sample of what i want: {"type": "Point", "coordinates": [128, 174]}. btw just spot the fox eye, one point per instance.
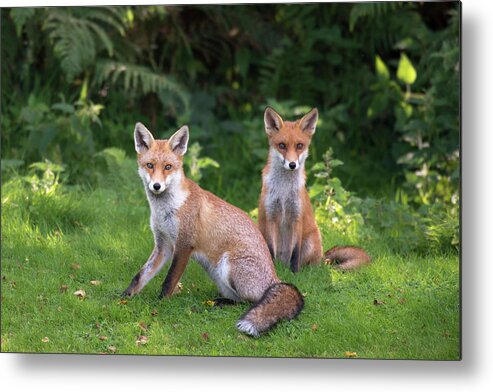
{"type": "Point", "coordinates": [299, 146]}
{"type": "Point", "coordinates": [282, 146]}
{"type": "Point", "coordinates": [168, 166]}
{"type": "Point", "coordinates": [150, 165]}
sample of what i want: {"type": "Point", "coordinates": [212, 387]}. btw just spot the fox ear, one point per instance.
{"type": "Point", "coordinates": [143, 138]}
{"type": "Point", "coordinates": [308, 122]}
{"type": "Point", "coordinates": [179, 141]}
{"type": "Point", "coordinates": [273, 121]}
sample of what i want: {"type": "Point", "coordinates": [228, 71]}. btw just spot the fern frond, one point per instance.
{"type": "Point", "coordinates": [20, 16]}
{"type": "Point", "coordinates": [371, 10]}
{"type": "Point", "coordinates": [135, 78]}
{"type": "Point", "coordinates": [78, 35]}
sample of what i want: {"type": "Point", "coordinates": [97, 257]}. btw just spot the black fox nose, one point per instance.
{"type": "Point", "coordinates": [156, 186]}
{"type": "Point", "coordinates": [292, 165]}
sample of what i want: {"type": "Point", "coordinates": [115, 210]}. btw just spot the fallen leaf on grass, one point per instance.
{"type": "Point", "coordinates": [209, 303]}
{"type": "Point", "coordinates": [103, 337]}
{"type": "Point", "coordinates": [141, 340]}
{"type": "Point", "coordinates": [178, 288]}
{"type": "Point", "coordinates": [378, 302]}
{"type": "Point", "coordinates": [63, 288]}
{"type": "Point", "coordinates": [75, 266]}
{"type": "Point", "coordinates": [402, 300]}
{"type": "Point", "coordinates": [46, 339]}
{"type": "Point", "coordinates": [143, 327]}
{"type": "Point", "coordinates": [154, 312]}
{"type": "Point", "coordinates": [122, 302]}
{"type": "Point", "coordinates": [205, 336]}
{"type": "Point", "coordinates": [95, 282]}
{"type": "Point", "coordinates": [314, 327]}
{"type": "Point", "coordinates": [112, 349]}
{"type": "Point", "coordinates": [80, 293]}
{"type": "Point", "coordinates": [350, 354]}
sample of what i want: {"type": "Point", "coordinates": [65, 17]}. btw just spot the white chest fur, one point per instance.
{"type": "Point", "coordinates": [164, 208]}
{"type": "Point", "coordinates": [283, 191]}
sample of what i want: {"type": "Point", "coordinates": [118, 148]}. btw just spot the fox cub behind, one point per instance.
{"type": "Point", "coordinates": [188, 221]}
{"type": "Point", "coordinates": [285, 214]}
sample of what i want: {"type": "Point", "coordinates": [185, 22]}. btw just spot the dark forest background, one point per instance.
{"type": "Point", "coordinates": [384, 76]}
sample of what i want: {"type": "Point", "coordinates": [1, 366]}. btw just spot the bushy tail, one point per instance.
{"type": "Point", "coordinates": [281, 301]}
{"type": "Point", "coordinates": [346, 257]}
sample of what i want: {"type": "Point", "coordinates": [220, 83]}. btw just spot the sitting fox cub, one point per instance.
{"type": "Point", "coordinates": [285, 213]}
{"type": "Point", "coordinates": [188, 221]}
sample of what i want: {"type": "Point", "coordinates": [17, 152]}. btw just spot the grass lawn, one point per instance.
{"type": "Point", "coordinates": [72, 239]}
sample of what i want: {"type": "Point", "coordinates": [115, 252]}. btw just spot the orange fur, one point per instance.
{"type": "Point", "coordinates": [189, 222]}
{"type": "Point", "coordinates": [285, 214]}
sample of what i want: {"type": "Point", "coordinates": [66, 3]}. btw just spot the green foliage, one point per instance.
{"type": "Point", "coordinates": [384, 76]}
{"type": "Point", "coordinates": [195, 163]}
{"type": "Point", "coordinates": [80, 35]}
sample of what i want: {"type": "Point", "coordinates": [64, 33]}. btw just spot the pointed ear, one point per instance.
{"type": "Point", "coordinates": [143, 138]}
{"type": "Point", "coordinates": [308, 122]}
{"type": "Point", "coordinates": [179, 141]}
{"type": "Point", "coordinates": [272, 121]}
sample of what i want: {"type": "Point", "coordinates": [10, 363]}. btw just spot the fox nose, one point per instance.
{"type": "Point", "coordinates": [292, 165]}
{"type": "Point", "coordinates": [157, 186]}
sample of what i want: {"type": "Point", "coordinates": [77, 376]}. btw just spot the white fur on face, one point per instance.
{"type": "Point", "coordinates": [285, 163]}
{"type": "Point", "coordinates": [173, 178]}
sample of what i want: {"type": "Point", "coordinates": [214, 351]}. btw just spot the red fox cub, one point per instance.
{"type": "Point", "coordinates": [285, 214]}
{"type": "Point", "coordinates": [188, 221]}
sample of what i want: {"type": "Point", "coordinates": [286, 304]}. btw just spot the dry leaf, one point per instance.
{"type": "Point", "coordinates": [75, 266]}
{"type": "Point", "coordinates": [80, 293]}
{"type": "Point", "coordinates": [378, 302]}
{"type": "Point", "coordinates": [103, 337]}
{"type": "Point", "coordinates": [402, 300]}
{"type": "Point", "coordinates": [122, 302]}
{"type": "Point", "coordinates": [141, 340]}
{"type": "Point", "coordinates": [112, 349]}
{"type": "Point", "coordinates": [178, 288]}
{"type": "Point", "coordinates": [95, 282]}
{"type": "Point", "coordinates": [45, 339]}
{"type": "Point", "coordinates": [154, 312]}
{"type": "Point", "coordinates": [143, 327]}
{"type": "Point", "coordinates": [350, 354]}
{"type": "Point", "coordinates": [209, 303]}
{"type": "Point", "coordinates": [314, 327]}
{"type": "Point", "coordinates": [205, 336]}
{"type": "Point", "coordinates": [97, 325]}
{"type": "Point", "coordinates": [63, 288]}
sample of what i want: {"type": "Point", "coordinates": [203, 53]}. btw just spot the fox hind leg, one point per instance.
{"type": "Point", "coordinates": [311, 249]}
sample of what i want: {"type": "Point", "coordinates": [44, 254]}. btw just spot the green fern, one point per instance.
{"type": "Point", "coordinates": [371, 11]}
{"type": "Point", "coordinates": [135, 78]}
{"type": "Point", "coordinates": [20, 16]}
{"type": "Point", "coordinates": [79, 35]}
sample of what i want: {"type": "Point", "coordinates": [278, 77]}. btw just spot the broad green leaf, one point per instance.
{"type": "Point", "coordinates": [381, 68]}
{"type": "Point", "coordinates": [405, 71]}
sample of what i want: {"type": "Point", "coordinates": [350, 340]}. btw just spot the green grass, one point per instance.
{"type": "Point", "coordinates": [402, 306]}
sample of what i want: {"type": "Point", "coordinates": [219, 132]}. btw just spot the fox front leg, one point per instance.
{"type": "Point", "coordinates": [295, 260]}
{"type": "Point", "coordinates": [180, 261]}
{"type": "Point", "coordinates": [156, 261]}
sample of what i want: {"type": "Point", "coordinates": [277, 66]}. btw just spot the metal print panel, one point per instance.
{"type": "Point", "coordinates": [261, 180]}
